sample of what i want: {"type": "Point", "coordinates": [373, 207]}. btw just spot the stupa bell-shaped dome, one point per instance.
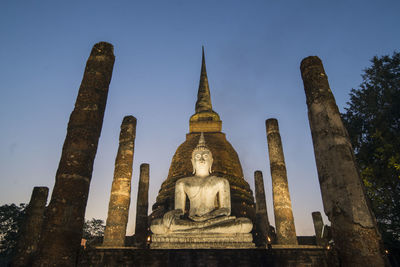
{"type": "Point", "coordinates": [226, 161]}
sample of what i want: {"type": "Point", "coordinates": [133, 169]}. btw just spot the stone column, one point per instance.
{"type": "Point", "coordinates": [284, 221]}
{"type": "Point", "coordinates": [118, 208]}
{"type": "Point", "coordinates": [30, 230]}
{"type": "Point", "coordinates": [318, 227]}
{"type": "Point", "coordinates": [262, 222]}
{"type": "Point", "coordinates": [354, 227]}
{"type": "Point", "coordinates": [142, 207]}
{"type": "Point", "coordinates": [61, 238]}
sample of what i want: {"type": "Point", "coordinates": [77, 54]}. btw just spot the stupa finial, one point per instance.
{"type": "Point", "coordinates": [203, 96]}
{"type": "Point", "coordinates": [204, 119]}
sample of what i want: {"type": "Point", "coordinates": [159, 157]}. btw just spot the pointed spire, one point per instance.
{"type": "Point", "coordinates": [205, 119]}
{"type": "Point", "coordinates": [203, 96]}
{"type": "Point", "coordinates": [203, 64]}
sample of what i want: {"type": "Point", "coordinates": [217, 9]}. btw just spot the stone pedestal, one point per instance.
{"type": "Point", "coordinates": [201, 241]}
{"type": "Point", "coordinates": [295, 256]}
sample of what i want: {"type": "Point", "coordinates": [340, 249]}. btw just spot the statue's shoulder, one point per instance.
{"type": "Point", "coordinates": [185, 179]}
{"type": "Point", "coordinates": [219, 179]}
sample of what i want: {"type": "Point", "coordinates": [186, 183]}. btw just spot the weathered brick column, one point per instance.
{"type": "Point", "coordinates": [29, 233]}
{"type": "Point", "coordinates": [284, 221]}
{"type": "Point", "coordinates": [118, 208]}
{"type": "Point", "coordinates": [142, 207]}
{"type": "Point", "coordinates": [353, 225]}
{"type": "Point", "coordinates": [65, 214]}
{"type": "Point", "coordinates": [262, 222]}
{"type": "Point", "coordinates": [318, 227]}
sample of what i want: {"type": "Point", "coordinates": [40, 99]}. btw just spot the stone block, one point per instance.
{"type": "Point", "coordinates": [201, 241]}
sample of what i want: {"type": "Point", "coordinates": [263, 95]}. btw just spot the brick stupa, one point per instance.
{"type": "Point", "coordinates": [226, 161]}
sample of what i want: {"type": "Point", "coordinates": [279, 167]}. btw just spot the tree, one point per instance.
{"type": "Point", "coordinates": [93, 230]}
{"type": "Point", "coordinates": [372, 119]}
{"type": "Point", "coordinates": [11, 217]}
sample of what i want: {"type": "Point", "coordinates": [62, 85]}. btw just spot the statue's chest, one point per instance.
{"type": "Point", "coordinates": [204, 191]}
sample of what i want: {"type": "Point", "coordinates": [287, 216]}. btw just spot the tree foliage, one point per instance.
{"type": "Point", "coordinates": [93, 229]}
{"type": "Point", "coordinates": [372, 119]}
{"type": "Point", "coordinates": [11, 217]}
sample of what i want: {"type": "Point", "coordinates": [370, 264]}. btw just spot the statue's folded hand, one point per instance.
{"type": "Point", "coordinates": [201, 218]}
{"type": "Point", "coordinates": [170, 216]}
{"type": "Point", "coordinates": [220, 212]}
{"type": "Point", "coordinates": [210, 215]}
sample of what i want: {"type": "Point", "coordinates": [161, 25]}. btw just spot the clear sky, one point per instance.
{"type": "Point", "coordinates": [253, 53]}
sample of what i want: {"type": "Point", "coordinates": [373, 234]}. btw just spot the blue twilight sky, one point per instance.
{"type": "Point", "coordinates": [253, 53]}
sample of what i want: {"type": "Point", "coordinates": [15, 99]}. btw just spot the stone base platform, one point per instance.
{"type": "Point", "coordinates": [202, 241]}
{"type": "Point", "coordinates": [299, 256]}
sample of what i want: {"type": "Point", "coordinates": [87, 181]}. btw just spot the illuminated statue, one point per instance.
{"type": "Point", "coordinates": [209, 198]}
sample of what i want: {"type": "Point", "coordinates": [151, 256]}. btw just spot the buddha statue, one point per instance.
{"type": "Point", "coordinates": [209, 202]}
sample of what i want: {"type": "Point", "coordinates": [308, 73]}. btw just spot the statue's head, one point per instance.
{"type": "Point", "coordinates": [202, 158]}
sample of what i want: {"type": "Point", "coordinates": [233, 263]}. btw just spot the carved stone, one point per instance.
{"type": "Point", "coordinates": [142, 207]}
{"type": "Point", "coordinates": [284, 221]}
{"type": "Point", "coordinates": [202, 241]}
{"type": "Point", "coordinates": [65, 214]}
{"type": "Point", "coordinates": [209, 207]}
{"type": "Point", "coordinates": [354, 227]}
{"type": "Point", "coordinates": [31, 228]}
{"type": "Point", "coordinates": [118, 209]}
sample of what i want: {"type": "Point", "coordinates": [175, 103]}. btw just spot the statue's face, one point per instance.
{"type": "Point", "coordinates": [202, 161]}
